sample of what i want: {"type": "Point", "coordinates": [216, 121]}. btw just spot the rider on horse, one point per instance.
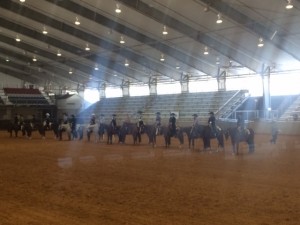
{"type": "Point", "coordinates": [113, 122]}
{"type": "Point", "coordinates": [92, 123]}
{"type": "Point", "coordinates": [241, 125]}
{"type": "Point", "coordinates": [172, 124]}
{"type": "Point", "coordinates": [47, 122]}
{"type": "Point", "coordinates": [195, 125]}
{"type": "Point", "coordinates": [140, 125]}
{"type": "Point", "coordinates": [212, 123]}
{"type": "Point", "coordinates": [157, 123]}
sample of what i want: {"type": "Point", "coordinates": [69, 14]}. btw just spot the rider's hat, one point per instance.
{"type": "Point", "coordinates": [195, 115]}
{"type": "Point", "coordinates": [211, 113]}
{"type": "Point", "coordinates": [101, 114]}
{"type": "Point", "coordinates": [47, 114]}
{"type": "Point", "coordinates": [172, 114]}
{"type": "Point", "coordinates": [158, 113]}
{"type": "Point", "coordinates": [114, 115]}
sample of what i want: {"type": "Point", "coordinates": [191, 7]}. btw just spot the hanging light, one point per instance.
{"type": "Point", "coordinates": [7, 59]}
{"type": "Point", "coordinates": [162, 57]}
{"type": "Point", "coordinates": [122, 41]}
{"type": "Point", "coordinates": [118, 9]}
{"type": "Point", "coordinates": [218, 61]}
{"type": "Point", "coordinates": [206, 52]}
{"type": "Point", "coordinates": [289, 4]}
{"type": "Point", "coordinates": [34, 59]}
{"type": "Point", "coordinates": [18, 39]}
{"type": "Point", "coordinates": [45, 30]}
{"type": "Point", "coordinates": [96, 67]}
{"type": "Point", "coordinates": [219, 19]}
{"type": "Point", "coordinates": [58, 53]}
{"type": "Point", "coordinates": [165, 32]}
{"type": "Point", "coordinates": [22, 0]}
{"type": "Point", "coordinates": [260, 42]}
{"type": "Point", "coordinates": [126, 63]}
{"type": "Point", "coordinates": [177, 66]}
{"type": "Point", "coordinates": [87, 47]}
{"type": "Point", "coordinates": [70, 71]}
{"type": "Point", "coordinates": [77, 22]}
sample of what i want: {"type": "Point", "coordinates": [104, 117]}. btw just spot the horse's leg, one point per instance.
{"type": "Point", "coordinates": [88, 134]}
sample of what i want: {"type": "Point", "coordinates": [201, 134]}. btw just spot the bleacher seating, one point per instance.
{"type": "Point", "coordinates": [186, 104]}
{"type": "Point", "coordinates": [25, 96]}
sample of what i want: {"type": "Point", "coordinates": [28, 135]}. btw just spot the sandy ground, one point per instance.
{"type": "Point", "coordinates": [79, 182]}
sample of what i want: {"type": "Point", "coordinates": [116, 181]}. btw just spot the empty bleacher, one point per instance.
{"type": "Point", "coordinates": [25, 96]}
{"type": "Point", "coordinates": [185, 104]}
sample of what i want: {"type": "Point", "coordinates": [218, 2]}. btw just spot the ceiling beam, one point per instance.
{"type": "Point", "coordinates": [266, 32]}
{"type": "Point", "coordinates": [51, 22]}
{"type": "Point", "coordinates": [201, 37]}
{"type": "Point", "coordinates": [197, 63]}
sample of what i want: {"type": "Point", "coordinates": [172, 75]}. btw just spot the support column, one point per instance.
{"type": "Point", "coordinates": [152, 85]}
{"type": "Point", "coordinates": [184, 82]}
{"type": "Point", "coordinates": [125, 88]}
{"type": "Point", "coordinates": [266, 72]}
{"type": "Point", "coordinates": [221, 79]}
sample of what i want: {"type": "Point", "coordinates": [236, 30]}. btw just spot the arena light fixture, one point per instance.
{"type": "Point", "coordinates": [44, 30]}
{"type": "Point", "coordinates": [162, 57]}
{"type": "Point", "coordinates": [165, 32]}
{"type": "Point", "coordinates": [87, 47]}
{"type": "Point", "coordinates": [77, 22]}
{"type": "Point", "coordinates": [96, 67]}
{"type": "Point", "coordinates": [22, 0]}
{"type": "Point", "coordinates": [18, 39]}
{"type": "Point", "coordinates": [122, 41]}
{"type": "Point", "coordinates": [219, 19]}
{"type": "Point", "coordinates": [58, 53]}
{"type": "Point", "coordinates": [118, 9]}
{"type": "Point", "coordinates": [70, 71]}
{"type": "Point", "coordinates": [34, 59]}
{"type": "Point", "coordinates": [289, 4]}
{"type": "Point", "coordinates": [7, 59]}
{"type": "Point", "coordinates": [260, 42]}
{"type": "Point", "coordinates": [206, 52]}
{"type": "Point", "coordinates": [126, 63]}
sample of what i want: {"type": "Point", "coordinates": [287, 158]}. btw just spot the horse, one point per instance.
{"type": "Point", "coordinates": [101, 131]}
{"type": "Point", "coordinates": [169, 133]}
{"type": "Point", "coordinates": [13, 128]}
{"type": "Point", "coordinates": [111, 132]}
{"type": "Point", "coordinates": [91, 129]}
{"type": "Point", "coordinates": [237, 135]}
{"type": "Point", "coordinates": [206, 133]}
{"type": "Point", "coordinates": [133, 129]}
{"type": "Point", "coordinates": [152, 132]}
{"type": "Point", "coordinates": [64, 127]}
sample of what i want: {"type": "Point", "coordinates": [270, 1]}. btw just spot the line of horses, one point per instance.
{"type": "Point", "coordinates": [203, 132]}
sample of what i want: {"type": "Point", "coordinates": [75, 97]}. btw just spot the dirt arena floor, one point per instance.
{"type": "Point", "coordinates": [79, 182]}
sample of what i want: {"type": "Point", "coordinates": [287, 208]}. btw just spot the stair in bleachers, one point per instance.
{"type": "Point", "coordinates": [292, 112]}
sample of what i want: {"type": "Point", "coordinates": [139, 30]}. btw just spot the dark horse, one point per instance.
{"type": "Point", "coordinates": [134, 130]}
{"type": "Point", "coordinates": [168, 134]}
{"type": "Point", "coordinates": [237, 136]}
{"type": "Point", "coordinates": [152, 132]}
{"type": "Point", "coordinates": [206, 133]}
{"type": "Point", "coordinates": [109, 130]}
{"type": "Point", "coordinates": [13, 128]}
